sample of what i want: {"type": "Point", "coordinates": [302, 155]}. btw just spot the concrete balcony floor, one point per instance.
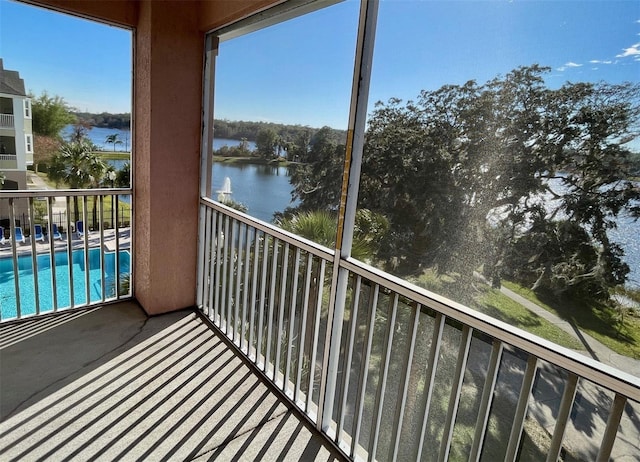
{"type": "Point", "coordinates": [113, 384]}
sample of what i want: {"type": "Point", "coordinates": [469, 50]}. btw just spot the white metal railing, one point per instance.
{"type": "Point", "coordinates": [63, 249]}
{"type": "Point", "coordinates": [419, 377]}
{"type": "Point", "coordinates": [7, 121]}
{"type": "Point", "coordinates": [7, 157]}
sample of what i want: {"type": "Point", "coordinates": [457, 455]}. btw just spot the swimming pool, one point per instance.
{"type": "Point", "coordinates": [27, 281]}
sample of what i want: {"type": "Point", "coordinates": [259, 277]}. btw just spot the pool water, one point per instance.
{"type": "Point", "coordinates": [27, 281]}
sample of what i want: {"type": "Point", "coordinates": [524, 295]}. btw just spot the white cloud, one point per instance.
{"type": "Point", "coordinates": [633, 50]}
{"type": "Point", "coordinates": [568, 65]}
{"type": "Point", "coordinates": [599, 61]}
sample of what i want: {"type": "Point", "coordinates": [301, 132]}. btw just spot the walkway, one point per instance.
{"type": "Point", "coordinates": [594, 348]}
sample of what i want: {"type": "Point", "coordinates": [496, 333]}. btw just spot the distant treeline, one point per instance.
{"type": "Point", "coordinates": [105, 120]}
{"type": "Point", "coordinates": [238, 129]}
{"type": "Point", "coordinates": [230, 129]}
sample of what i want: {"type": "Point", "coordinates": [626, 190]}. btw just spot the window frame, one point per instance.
{"type": "Point", "coordinates": [27, 109]}
{"type": "Point", "coordinates": [28, 143]}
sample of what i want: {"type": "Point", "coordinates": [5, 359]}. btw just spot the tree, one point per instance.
{"type": "Point", "coordinates": [50, 114]}
{"type": "Point", "coordinates": [317, 183]}
{"type": "Point", "coordinates": [266, 143]}
{"type": "Point", "coordinates": [299, 148]}
{"type": "Point", "coordinates": [76, 165]}
{"type": "Point", "coordinates": [123, 176]}
{"type": "Point", "coordinates": [320, 226]}
{"type": "Point", "coordinates": [44, 148]}
{"type": "Point", "coordinates": [472, 176]}
{"type": "Point", "coordinates": [113, 139]}
{"type": "Point", "coordinates": [79, 131]}
{"type": "Point", "coordinates": [239, 206]}
{"type": "Point", "coordinates": [588, 186]}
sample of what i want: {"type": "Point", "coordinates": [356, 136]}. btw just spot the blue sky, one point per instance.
{"type": "Point", "coordinates": [87, 63]}
{"type": "Point", "coordinates": [300, 71]}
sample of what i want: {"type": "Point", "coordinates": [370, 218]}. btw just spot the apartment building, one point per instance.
{"type": "Point", "coordinates": [16, 136]}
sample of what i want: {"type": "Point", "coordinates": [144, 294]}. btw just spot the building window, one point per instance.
{"type": "Point", "coordinates": [27, 108]}
{"type": "Point", "coordinates": [29, 143]}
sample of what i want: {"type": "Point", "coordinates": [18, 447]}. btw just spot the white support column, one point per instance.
{"type": "Point", "coordinates": [211, 51]}
{"type": "Point", "coordinates": [348, 205]}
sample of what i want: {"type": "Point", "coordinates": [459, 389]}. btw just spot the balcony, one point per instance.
{"type": "Point", "coordinates": [126, 386]}
{"type": "Point", "coordinates": [294, 354]}
{"type": "Point", "coordinates": [7, 121]}
{"type": "Point", "coordinates": [8, 161]}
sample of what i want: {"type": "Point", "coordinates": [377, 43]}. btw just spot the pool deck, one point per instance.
{"type": "Point", "coordinates": [111, 383]}
{"type": "Point", "coordinates": [93, 241]}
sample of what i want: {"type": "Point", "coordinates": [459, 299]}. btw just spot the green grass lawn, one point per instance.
{"type": "Point", "coordinates": [606, 324]}
{"type": "Point", "coordinates": [118, 155]}
{"type": "Point", "coordinates": [494, 303]}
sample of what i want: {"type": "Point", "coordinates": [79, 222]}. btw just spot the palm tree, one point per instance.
{"type": "Point", "coordinates": [123, 176]}
{"type": "Point", "coordinates": [77, 166]}
{"type": "Point", "coordinates": [113, 139]}
{"type": "Point", "coordinates": [320, 227]}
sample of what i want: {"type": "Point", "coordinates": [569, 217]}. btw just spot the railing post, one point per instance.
{"type": "Point", "coordinates": [611, 430]}
{"type": "Point", "coordinates": [34, 258]}
{"type": "Point", "coordinates": [566, 403]}
{"type": "Point", "coordinates": [456, 391]}
{"type": "Point", "coordinates": [14, 254]}
{"type": "Point", "coordinates": [521, 409]}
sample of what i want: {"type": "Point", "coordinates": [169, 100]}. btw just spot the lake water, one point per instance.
{"type": "Point", "coordinates": [628, 236]}
{"type": "Point", "coordinates": [262, 188]}
{"type": "Point", "coordinates": [98, 136]}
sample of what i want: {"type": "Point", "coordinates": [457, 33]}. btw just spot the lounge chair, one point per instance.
{"type": "Point", "coordinates": [80, 229]}
{"type": "Point", "coordinates": [20, 235]}
{"type": "Point", "coordinates": [37, 233]}
{"type": "Point", "coordinates": [2, 239]}
{"type": "Point", "coordinates": [56, 232]}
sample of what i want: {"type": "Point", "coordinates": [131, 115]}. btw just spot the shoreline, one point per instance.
{"type": "Point", "coordinates": [253, 161]}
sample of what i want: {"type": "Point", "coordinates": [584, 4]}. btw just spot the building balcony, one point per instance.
{"type": "Point", "coordinates": [290, 353]}
{"type": "Point", "coordinates": [8, 161]}
{"type": "Point", "coordinates": [7, 121]}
